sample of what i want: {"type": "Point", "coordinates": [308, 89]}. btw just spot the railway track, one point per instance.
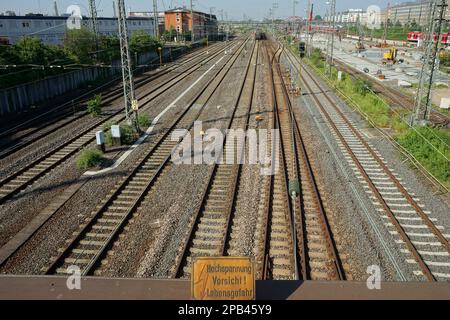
{"type": "Point", "coordinates": [13, 140]}
{"type": "Point", "coordinates": [319, 251]}
{"type": "Point", "coordinates": [296, 241]}
{"type": "Point", "coordinates": [417, 234]}
{"type": "Point", "coordinates": [209, 231]}
{"type": "Point", "coordinates": [276, 251]}
{"type": "Point", "coordinates": [24, 177]}
{"type": "Point", "coordinates": [91, 242]}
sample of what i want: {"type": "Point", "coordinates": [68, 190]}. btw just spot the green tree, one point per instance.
{"type": "Point", "coordinates": [109, 48]}
{"type": "Point", "coordinates": [80, 44]}
{"type": "Point", "coordinates": [94, 106]}
{"type": "Point", "coordinates": [30, 51]}
{"type": "Point", "coordinates": [170, 34]}
{"type": "Point", "coordinates": [141, 41]}
{"type": "Point", "coordinates": [8, 55]}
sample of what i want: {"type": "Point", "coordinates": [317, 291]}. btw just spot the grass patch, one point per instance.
{"type": "Point", "coordinates": [89, 158]}
{"type": "Point", "coordinates": [357, 90]}
{"type": "Point", "coordinates": [428, 156]}
{"type": "Point", "coordinates": [144, 120]}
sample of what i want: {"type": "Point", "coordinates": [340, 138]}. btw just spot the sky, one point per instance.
{"type": "Point", "coordinates": [255, 9]}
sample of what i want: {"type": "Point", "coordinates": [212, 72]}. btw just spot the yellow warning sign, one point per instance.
{"type": "Point", "coordinates": [223, 278]}
{"type": "Point", "coordinates": [134, 105]}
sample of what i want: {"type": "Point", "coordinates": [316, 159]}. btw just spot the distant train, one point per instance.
{"type": "Point", "coordinates": [415, 36]}
{"type": "Point", "coordinates": [259, 35]}
{"type": "Point", "coordinates": [302, 49]}
{"type": "Point", "coordinates": [325, 29]}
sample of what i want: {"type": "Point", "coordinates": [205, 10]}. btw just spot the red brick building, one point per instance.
{"type": "Point", "coordinates": [180, 20]}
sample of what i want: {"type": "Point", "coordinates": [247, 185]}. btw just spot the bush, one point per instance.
{"type": "Point", "coordinates": [89, 158]}
{"type": "Point", "coordinates": [361, 87]}
{"type": "Point", "coordinates": [143, 120]}
{"type": "Point", "coordinates": [94, 106]}
{"type": "Point", "coordinates": [127, 133]}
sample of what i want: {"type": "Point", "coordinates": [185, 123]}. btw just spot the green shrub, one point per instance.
{"type": "Point", "coordinates": [399, 124]}
{"type": "Point", "coordinates": [126, 131]}
{"type": "Point", "coordinates": [143, 120]}
{"type": "Point", "coordinates": [94, 106]}
{"type": "Point", "coordinates": [89, 158]}
{"type": "Point", "coordinates": [107, 126]}
{"type": "Point", "coordinates": [361, 87]}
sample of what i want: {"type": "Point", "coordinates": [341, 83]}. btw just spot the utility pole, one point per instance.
{"type": "Point", "coordinates": [423, 97]}
{"type": "Point", "coordinates": [131, 105]}
{"type": "Point", "coordinates": [114, 9]}
{"type": "Point", "coordinates": [294, 3]}
{"type": "Point", "coordinates": [193, 24]}
{"type": "Point", "coordinates": [274, 6]}
{"type": "Point", "coordinates": [228, 26]}
{"type": "Point", "coordinates": [94, 25]}
{"type": "Point", "coordinates": [156, 18]}
{"type": "Point", "coordinates": [408, 23]}
{"type": "Point", "coordinates": [388, 11]}
{"type": "Point", "coordinates": [330, 40]}
{"type": "Point", "coordinates": [310, 12]}
{"type": "Point", "coordinates": [209, 24]}
{"type": "Point", "coordinates": [55, 6]}
{"type": "Point", "coordinates": [420, 15]}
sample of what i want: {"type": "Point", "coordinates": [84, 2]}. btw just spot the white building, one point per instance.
{"type": "Point", "coordinates": [350, 16]}
{"type": "Point", "coordinates": [51, 29]}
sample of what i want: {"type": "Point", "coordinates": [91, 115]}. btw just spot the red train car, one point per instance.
{"type": "Point", "coordinates": [415, 36]}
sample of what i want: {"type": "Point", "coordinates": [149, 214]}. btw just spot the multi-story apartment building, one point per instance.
{"type": "Point", "coordinates": [410, 12]}
{"type": "Point", "coordinates": [403, 13]}
{"type": "Point", "coordinates": [51, 29]}
{"type": "Point", "coordinates": [180, 20]}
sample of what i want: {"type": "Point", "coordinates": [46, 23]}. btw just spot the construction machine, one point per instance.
{"type": "Point", "coordinates": [390, 57]}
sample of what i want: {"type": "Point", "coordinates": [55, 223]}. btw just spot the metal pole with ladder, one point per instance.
{"type": "Point", "coordinates": [330, 40]}
{"type": "Point", "coordinates": [155, 17]}
{"type": "Point", "coordinates": [193, 23]}
{"type": "Point", "coordinates": [94, 23]}
{"type": "Point", "coordinates": [423, 99]}
{"type": "Point", "coordinates": [131, 104]}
